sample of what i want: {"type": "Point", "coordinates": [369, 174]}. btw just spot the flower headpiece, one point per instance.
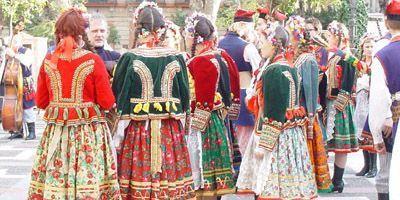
{"type": "Point", "coordinates": [296, 26]}
{"type": "Point", "coordinates": [271, 34]}
{"type": "Point", "coordinates": [143, 33]}
{"type": "Point", "coordinates": [335, 28]}
{"type": "Point", "coordinates": [169, 25]}
{"type": "Point", "coordinates": [191, 23]}
{"type": "Point", "coordinates": [366, 37]}
{"type": "Point", "coordinates": [143, 5]}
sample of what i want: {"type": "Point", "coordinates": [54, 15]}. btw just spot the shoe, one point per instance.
{"type": "Point", "coordinates": [337, 180]}
{"type": "Point", "coordinates": [373, 169]}
{"type": "Point", "coordinates": [15, 135]}
{"type": "Point", "coordinates": [31, 130]}
{"type": "Point", "coordinates": [383, 196]}
{"type": "Point", "coordinates": [366, 167]}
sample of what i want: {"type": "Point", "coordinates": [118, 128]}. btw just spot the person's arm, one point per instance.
{"type": "Point", "coordinates": [26, 58]}
{"type": "Point", "coordinates": [205, 76]}
{"type": "Point", "coordinates": [252, 56]}
{"type": "Point", "coordinates": [104, 94]}
{"type": "Point", "coordinates": [379, 102]}
{"type": "Point", "coordinates": [42, 95]}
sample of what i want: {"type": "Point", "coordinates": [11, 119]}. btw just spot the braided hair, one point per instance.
{"type": "Point", "coordinates": [203, 30]}
{"type": "Point", "coordinates": [281, 37]}
{"type": "Point", "coordinates": [149, 19]}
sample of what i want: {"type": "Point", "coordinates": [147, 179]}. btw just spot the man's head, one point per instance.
{"type": "Point", "coordinates": [243, 22]}
{"type": "Point", "coordinates": [313, 26]}
{"type": "Point", "coordinates": [392, 16]}
{"type": "Point", "coordinates": [98, 30]}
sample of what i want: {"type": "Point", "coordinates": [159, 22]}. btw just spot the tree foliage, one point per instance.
{"type": "Point", "coordinates": [16, 9]}
{"type": "Point", "coordinates": [113, 37]}
{"type": "Point", "coordinates": [42, 24]}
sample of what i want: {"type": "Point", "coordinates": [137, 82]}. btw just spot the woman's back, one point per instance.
{"type": "Point", "coordinates": [74, 90]}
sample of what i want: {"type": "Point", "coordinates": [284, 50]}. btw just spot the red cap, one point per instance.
{"type": "Point", "coordinates": [393, 10]}
{"type": "Point", "coordinates": [244, 16]}
{"type": "Point", "coordinates": [263, 12]}
{"type": "Point", "coordinates": [279, 16]}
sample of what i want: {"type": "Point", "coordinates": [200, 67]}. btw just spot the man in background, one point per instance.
{"type": "Point", "coordinates": [98, 33]}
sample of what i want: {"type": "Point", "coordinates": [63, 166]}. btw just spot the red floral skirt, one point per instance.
{"type": "Point", "coordinates": [174, 181]}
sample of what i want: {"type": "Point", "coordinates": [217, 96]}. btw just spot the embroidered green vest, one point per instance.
{"type": "Point", "coordinates": [151, 84]}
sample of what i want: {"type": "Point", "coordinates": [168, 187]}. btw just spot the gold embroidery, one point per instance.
{"type": "Point", "coordinates": [216, 64]}
{"type": "Point", "coordinates": [168, 77]}
{"type": "Point", "coordinates": [146, 78]}
{"type": "Point", "coordinates": [155, 52]}
{"type": "Point", "coordinates": [148, 86]}
{"type": "Point", "coordinates": [292, 88]}
{"type": "Point", "coordinates": [78, 80]}
{"type": "Point", "coordinates": [331, 76]}
{"type": "Point", "coordinates": [76, 54]}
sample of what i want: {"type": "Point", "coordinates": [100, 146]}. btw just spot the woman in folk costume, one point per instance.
{"type": "Point", "coordinates": [75, 157]}
{"type": "Point", "coordinates": [209, 144]}
{"type": "Point", "coordinates": [279, 146]}
{"type": "Point", "coordinates": [151, 86]}
{"type": "Point", "coordinates": [361, 111]}
{"type": "Point", "coordinates": [340, 129]}
{"type": "Point", "coordinates": [308, 69]}
{"type": "Point", "coordinates": [173, 37]}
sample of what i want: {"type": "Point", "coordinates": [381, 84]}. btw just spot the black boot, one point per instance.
{"type": "Point", "coordinates": [383, 196]}
{"type": "Point", "coordinates": [367, 161]}
{"type": "Point", "coordinates": [31, 130]}
{"type": "Point", "coordinates": [337, 179]}
{"type": "Point", "coordinates": [373, 169]}
{"type": "Point", "coordinates": [15, 135]}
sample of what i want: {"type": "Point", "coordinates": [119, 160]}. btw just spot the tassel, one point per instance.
{"type": "Point", "coordinates": [137, 108]}
{"type": "Point", "coordinates": [167, 105]}
{"type": "Point", "coordinates": [146, 107]}
{"type": "Point", "coordinates": [158, 107]}
{"type": "Point", "coordinates": [86, 113]}
{"type": "Point", "coordinates": [79, 112]}
{"type": "Point", "coordinates": [174, 106]}
{"type": "Point", "coordinates": [65, 114]}
{"type": "Point", "coordinates": [55, 113]}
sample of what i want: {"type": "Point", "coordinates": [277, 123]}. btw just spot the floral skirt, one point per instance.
{"type": "Point", "coordinates": [137, 180]}
{"type": "Point", "coordinates": [75, 162]}
{"type": "Point", "coordinates": [344, 137]}
{"type": "Point", "coordinates": [235, 150]}
{"type": "Point", "coordinates": [319, 160]}
{"type": "Point", "coordinates": [247, 180]}
{"type": "Point", "coordinates": [211, 159]}
{"type": "Point", "coordinates": [289, 170]}
{"type": "Point", "coordinates": [366, 141]}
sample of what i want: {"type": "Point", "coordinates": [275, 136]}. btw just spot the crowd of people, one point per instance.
{"type": "Point", "coordinates": [190, 115]}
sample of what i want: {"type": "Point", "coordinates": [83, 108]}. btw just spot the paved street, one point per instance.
{"type": "Point", "coordinates": [16, 158]}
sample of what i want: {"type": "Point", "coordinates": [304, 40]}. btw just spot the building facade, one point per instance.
{"type": "Point", "coordinates": [119, 13]}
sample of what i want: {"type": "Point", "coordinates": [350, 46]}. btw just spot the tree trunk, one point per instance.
{"type": "Point", "coordinates": [382, 5]}
{"type": "Point", "coordinates": [208, 7]}
{"type": "Point", "coordinates": [352, 22]}
{"type": "Point", "coordinates": [1, 23]}
{"type": "Point", "coordinates": [301, 8]}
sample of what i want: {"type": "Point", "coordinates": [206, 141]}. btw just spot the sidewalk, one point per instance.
{"type": "Point", "coordinates": [16, 158]}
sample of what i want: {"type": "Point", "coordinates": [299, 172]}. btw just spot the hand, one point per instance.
{"type": "Point", "coordinates": [380, 148]}
{"type": "Point", "coordinates": [10, 53]}
{"type": "Point", "coordinates": [387, 131]}
{"type": "Point", "coordinates": [259, 153]}
{"type": "Point", "coordinates": [387, 128]}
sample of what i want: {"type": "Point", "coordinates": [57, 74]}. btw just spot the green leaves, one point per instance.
{"type": "Point", "coordinates": [14, 9]}
{"type": "Point", "coordinates": [113, 37]}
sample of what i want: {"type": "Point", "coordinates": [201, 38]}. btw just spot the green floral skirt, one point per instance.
{"type": "Point", "coordinates": [211, 159]}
